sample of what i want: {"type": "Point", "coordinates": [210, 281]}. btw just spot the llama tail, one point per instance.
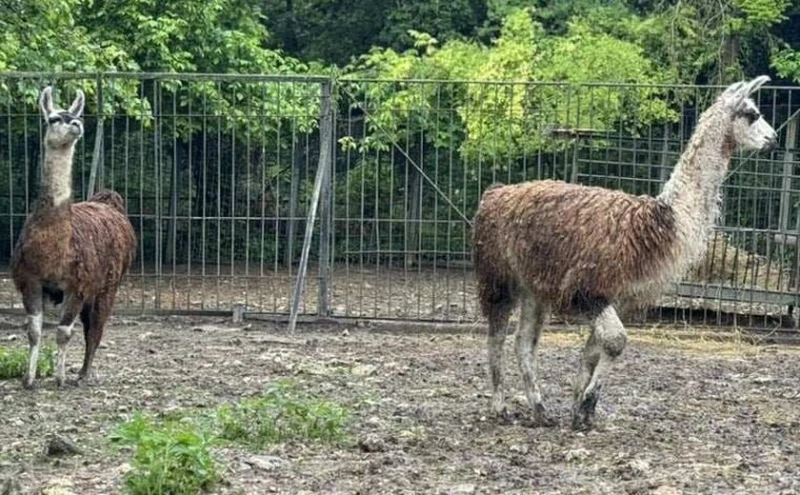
{"type": "Point", "coordinates": [111, 198]}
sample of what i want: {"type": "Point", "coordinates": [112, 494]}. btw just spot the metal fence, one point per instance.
{"type": "Point", "coordinates": [218, 174]}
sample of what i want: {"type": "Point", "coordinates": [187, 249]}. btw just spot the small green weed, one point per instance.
{"type": "Point", "coordinates": [173, 455]}
{"type": "Point", "coordinates": [14, 362]}
{"type": "Point", "coordinates": [169, 458]}
{"type": "Point", "coordinates": [281, 414]}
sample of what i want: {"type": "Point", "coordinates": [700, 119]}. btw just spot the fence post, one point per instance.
{"type": "Point", "coordinates": [294, 193]}
{"type": "Point", "coordinates": [326, 202]}
{"type": "Point", "coordinates": [788, 172]}
{"type": "Point", "coordinates": [97, 155]}
{"type": "Point", "coordinates": [325, 132]}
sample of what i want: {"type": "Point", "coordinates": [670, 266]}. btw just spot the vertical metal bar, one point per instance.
{"type": "Point", "coordinates": [263, 189]}
{"type": "Point", "coordinates": [143, 278]}
{"type": "Point", "coordinates": [204, 204]}
{"type": "Point", "coordinates": [218, 198]}
{"type": "Point", "coordinates": [332, 201]}
{"type": "Point", "coordinates": [294, 190]}
{"type": "Point", "coordinates": [189, 196]}
{"type": "Point", "coordinates": [277, 190]}
{"type": "Point", "coordinates": [248, 167]}
{"type": "Point", "coordinates": [322, 169]}
{"type": "Point", "coordinates": [158, 174]}
{"type": "Point", "coordinates": [232, 209]}
{"type": "Point", "coordinates": [11, 213]}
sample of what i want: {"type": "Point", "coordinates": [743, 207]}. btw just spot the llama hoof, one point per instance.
{"type": "Point", "coordinates": [504, 417]}
{"type": "Point", "coordinates": [583, 417]}
{"type": "Point", "coordinates": [578, 424]}
{"type": "Point", "coordinates": [86, 379]}
{"type": "Point", "coordinates": [541, 418]}
{"type": "Point", "coordinates": [28, 383]}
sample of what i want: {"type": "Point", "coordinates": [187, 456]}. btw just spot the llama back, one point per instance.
{"type": "Point", "coordinates": [570, 244]}
{"type": "Point", "coordinates": [100, 232]}
{"type": "Point", "coordinates": [111, 198]}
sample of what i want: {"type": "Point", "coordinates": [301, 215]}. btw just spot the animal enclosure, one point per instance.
{"type": "Point", "coordinates": [218, 173]}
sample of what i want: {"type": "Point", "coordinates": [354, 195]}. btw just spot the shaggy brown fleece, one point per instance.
{"type": "Point", "coordinates": [573, 246]}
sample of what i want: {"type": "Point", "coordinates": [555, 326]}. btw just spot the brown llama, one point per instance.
{"type": "Point", "coordinates": [555, 247]}
{"type": "Point", "coordinates": [74, 254]}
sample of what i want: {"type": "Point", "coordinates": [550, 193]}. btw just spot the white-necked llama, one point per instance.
{"type": "Point", "coordinates": [71, 253]}
{"type": "Point", "coordinates": [581, 250]}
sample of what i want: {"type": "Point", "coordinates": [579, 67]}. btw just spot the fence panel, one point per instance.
{"type": "Point", "coordinates": [217, 172]}
{"type": "Point", "coordinates": [415, 156]}
{"type": "Point", "coordinates": [214, 170]}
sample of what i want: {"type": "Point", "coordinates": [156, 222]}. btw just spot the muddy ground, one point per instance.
{"type": "Point", "coordinates": [677, 416]}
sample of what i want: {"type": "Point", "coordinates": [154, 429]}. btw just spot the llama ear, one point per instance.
{"type": "Point", "coordinates": [76, 108]}
{"type": "Point", "coordinates": [733, 88]}
{"type": "Point", "coordinates": [46, 101]}
{"type": "Point", "coordinates": [756, 83]}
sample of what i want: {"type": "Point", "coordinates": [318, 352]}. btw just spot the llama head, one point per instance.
{"type": "Point", "coordinates": [64, 127]}
{"type": "Point", "coordinates": [749, 130]}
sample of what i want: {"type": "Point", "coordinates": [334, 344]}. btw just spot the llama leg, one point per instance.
{"type": "Point", "coordinates": [498, 323]}
{"type": "Point", "coordinates": [94, 318]}
{"type": "Point", "coordinates": [604, 345]}
{"type": "Point", "coordinates": [531, 320]}
{"type": "Point", "coordinates": [69, 313]}
{"type": "Point", "coordinates": [32, 300]}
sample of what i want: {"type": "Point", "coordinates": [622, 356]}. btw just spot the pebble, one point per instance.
{"type": "Point", "coordinates": [265, 462]}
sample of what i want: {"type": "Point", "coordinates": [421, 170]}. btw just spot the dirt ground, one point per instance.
{"type": "Point", "coordinates": [677, 416]}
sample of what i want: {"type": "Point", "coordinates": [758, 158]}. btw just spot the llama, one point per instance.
{"type": "Point", "coordinates": [577, 250]}
{"type": "Point", "coordinates": [74, 254]}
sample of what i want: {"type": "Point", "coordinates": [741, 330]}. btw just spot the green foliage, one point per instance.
{"type": "Point", "coordinates": [787, 63]}
{"type": "Point", "coordinates": [219, 36]}
{"type": "Point", "coordinates": [502, 121]}
{"type": "Point", "coordinates": [337, 32]}
{"type": "Point", "coordinates": [14, 362]}
{"type": "Point", "coordinates": [281, 414]}
{"type": "Point", "coordinates": [174, 455]}
{"type": "Point", "coordinates": [710, 40]}
{"type": "Point", "coordinates": [169, 458]}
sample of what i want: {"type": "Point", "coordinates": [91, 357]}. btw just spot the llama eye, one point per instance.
{"type": "Point", "coordinates": [53, 120]}
{"type": "Point", "coordinates": [751, 115]}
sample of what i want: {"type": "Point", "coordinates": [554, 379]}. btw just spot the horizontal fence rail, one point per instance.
{"type": "Point", "coordinates": [218, 172]}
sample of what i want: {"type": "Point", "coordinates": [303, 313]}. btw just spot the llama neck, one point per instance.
{"type": "Point", "coordinates": [57, 176]}
{"type": "Point", "coordinates": [694, 190]}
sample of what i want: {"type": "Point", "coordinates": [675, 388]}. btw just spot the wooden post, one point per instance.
{"type": "Point", "coordinates": [326, 137]}
{"type": "Point", "coordinates": [325, 227]}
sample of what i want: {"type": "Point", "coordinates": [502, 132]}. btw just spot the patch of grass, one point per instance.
{"type": "Point", "coordinates": [173, 457]}
{"type": "Point", "coordinates": [281, 414]}
{"type": "Point", "coordinates": [14, 362]}
{"type": "Point", "coordinates": [173, 454]}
